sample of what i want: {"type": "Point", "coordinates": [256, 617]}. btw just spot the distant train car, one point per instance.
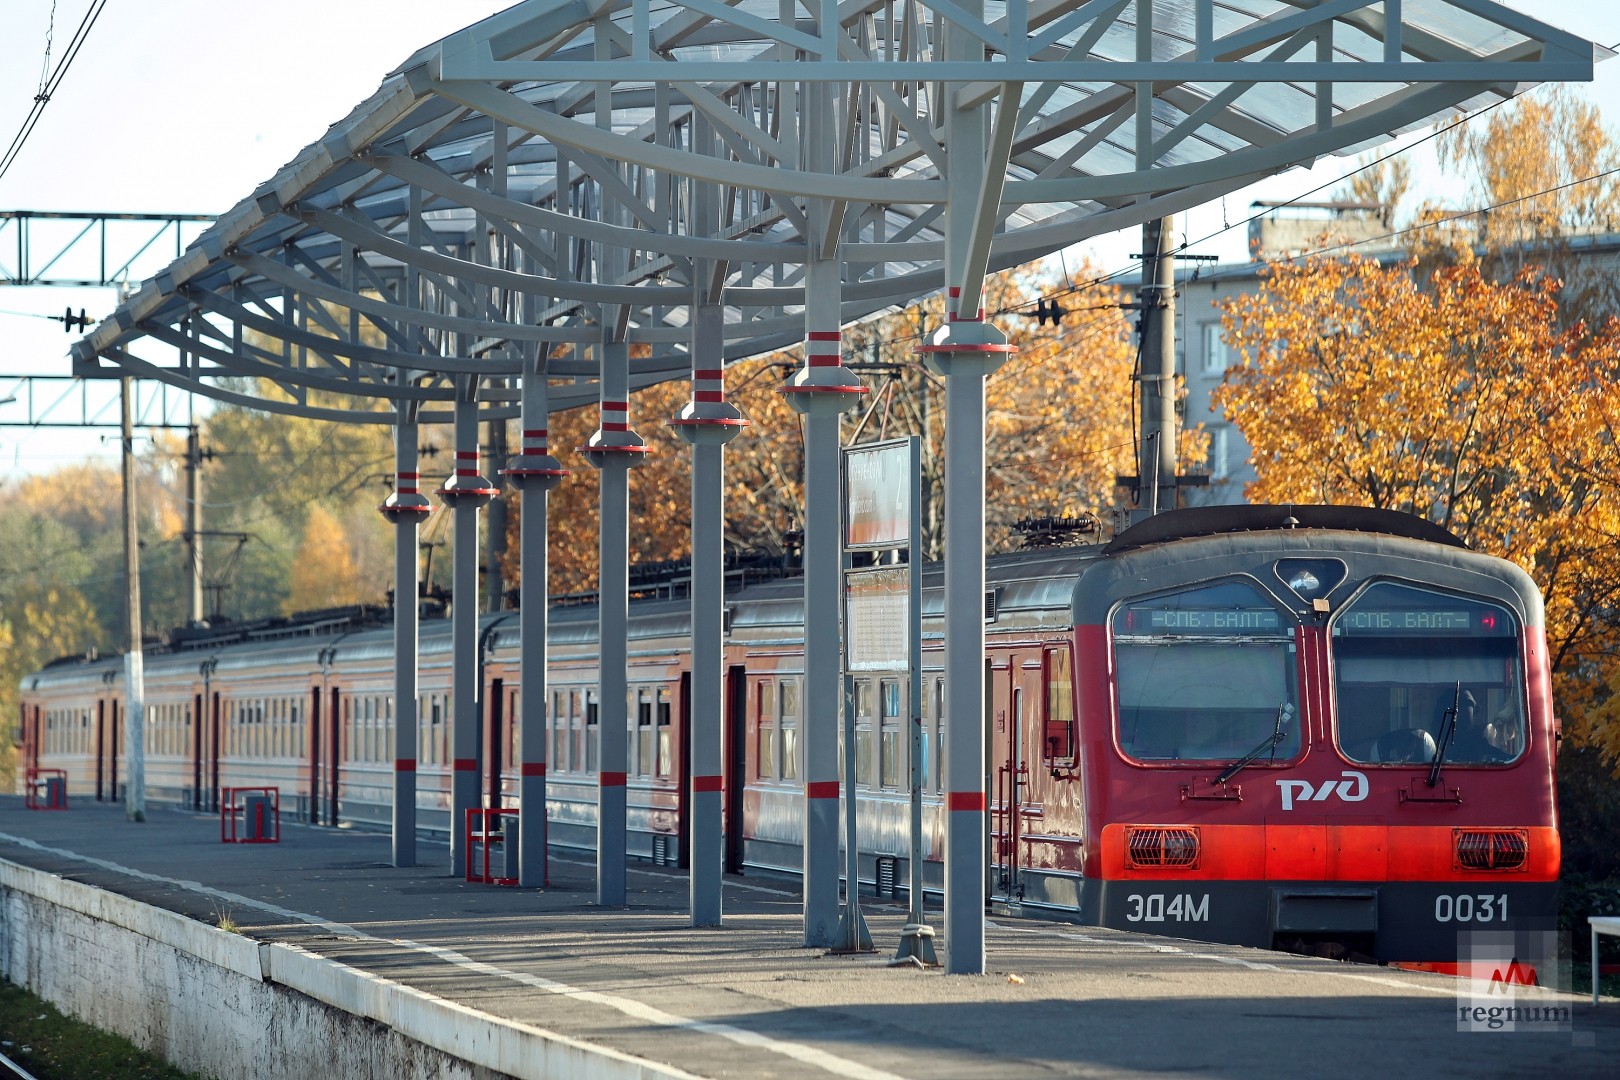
{"type": "Point", "coordinates": [1318, 728]}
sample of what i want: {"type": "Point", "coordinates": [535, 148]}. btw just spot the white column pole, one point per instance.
{"type": "Point", "coordinates": [614, 449]}
{"type": "Point", "coordinates": [465, 492]}
{"type": "Point", "coordinates": [708, 422]}
{"type": "Point", "coordinates": [405, 508]}
{"type": "Point", "coordinates": [821, 390]}
{"type": "Point", "coordinates": [535, 472]}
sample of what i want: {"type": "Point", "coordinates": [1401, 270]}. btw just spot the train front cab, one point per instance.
{"type": "Point", "coordinates": [1330, 664]}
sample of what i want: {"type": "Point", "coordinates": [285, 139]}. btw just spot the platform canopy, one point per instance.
{"type": "Point", "coordinates": [567, 165]}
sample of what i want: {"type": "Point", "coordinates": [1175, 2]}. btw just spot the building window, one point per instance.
{"type": "Point", "coordinates": [1216, 353]}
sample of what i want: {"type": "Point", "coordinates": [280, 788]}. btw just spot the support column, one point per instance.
{"type": "Point", "coordinates": [965, 351]}
{"type": "Point", "coordinates": [406, 508]}
{"type": "Point", "coordinates": [465, 492]}
{"type": "Point", "coordinates": [707, 422]}
{"type": "Point", "coordinates": [534, 472]}
{"type": "Point", "coordinates": [821, 390]}
{"type": "Point", "coordinates": [194, 538]}
{"type": "Point", "coordinates": [1156, 459]}
{"type": "Point", "coordinates": [134, 669]}
{"type": "Point", "coordinates": [613, 450]}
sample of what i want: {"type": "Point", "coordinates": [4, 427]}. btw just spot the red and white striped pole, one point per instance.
{"type": "Point", "coordinates": [821, 390]}
{"type": "Point", "coordinates": [534, 472]}
{"type": "Point", "coordinates": [406, 508]}
{"type": "Point", "coordinates": [465, 493]}
{"type": "Point", "coordinates": [707, 422]}
{"type": "Point", "coordinates": [614, 450]}
{"type": "Point", "coordinates": [965, 350]}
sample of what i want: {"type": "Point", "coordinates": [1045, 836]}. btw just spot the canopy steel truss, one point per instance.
{"type": "Point", "coordinates": [564, 165]}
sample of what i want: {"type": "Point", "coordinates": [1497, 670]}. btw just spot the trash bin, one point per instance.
{"type": "Point", "coordinates": [258, 818]}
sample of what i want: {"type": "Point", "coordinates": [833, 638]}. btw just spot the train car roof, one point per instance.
{"type": "Point", "coordinates": [1222, 520]}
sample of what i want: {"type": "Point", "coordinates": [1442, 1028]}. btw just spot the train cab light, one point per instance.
{"type": "Point", "coordinates": [1491, 849]}
{"type": "Point", "coordinates": [1305, 583]}
{"type": "Point", "coordinates": [1157, 847]}
{"type": "Point", "coordinates": [1487, 622]}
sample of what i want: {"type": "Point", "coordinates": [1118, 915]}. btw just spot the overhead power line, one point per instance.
{"type": "Point", "coordinates": [50, 83]}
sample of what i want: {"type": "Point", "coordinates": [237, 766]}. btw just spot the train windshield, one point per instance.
{"type": "Point", "coordinates": [1411, 665]}
{"type": "Point", "coordinates": [1204, 674]}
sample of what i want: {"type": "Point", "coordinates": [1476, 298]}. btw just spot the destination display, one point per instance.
{"type": "Point", "coordinates": [1476, 622]}
{"type": "Point", "coordinates": [1141, 619]}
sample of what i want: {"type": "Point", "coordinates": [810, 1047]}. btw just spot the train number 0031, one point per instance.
{"type": "Point", "coordinates": [1470, 908]}
{"type": "Point", "coordinates": [1157, 907]}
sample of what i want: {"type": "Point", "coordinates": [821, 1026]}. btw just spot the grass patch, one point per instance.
{"type": "Point", "coordinates": [1581, 980]}
{"type": "Point", "coordinates": [55, 1047]}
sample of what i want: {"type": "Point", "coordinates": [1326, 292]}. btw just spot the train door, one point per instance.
{"type": "Point", "coordinates": [214, 717]}
{"type": "Point", "coordinates": [195, 721]}
{"type": "Point", "coordinates": [735, 751]}
{"type": "Point", "coordinates": [683, 793]}
{"type": "Point", "coordinates": [317, 727]}
{"type": "Point", "coordinates": [115, 723]}
{"type": "Point", "coordinates": [1010, 754]}
{"type": "Point", "coordinates": [101, 750]}
{"type": "Point", "coordinates": [335, 722]}
{"type": "Point", "coordinates": [495, 737]}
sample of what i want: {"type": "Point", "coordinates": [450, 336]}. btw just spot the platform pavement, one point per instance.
{"type": "Point", "coordinates": [747, 1000]}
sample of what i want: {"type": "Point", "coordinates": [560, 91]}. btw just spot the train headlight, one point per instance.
{"type": "Point", "coordinates": [1310, 579]}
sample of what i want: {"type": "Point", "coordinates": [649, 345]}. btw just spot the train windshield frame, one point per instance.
{"type": "Point", "coordinates": [1204, 674]}
{"type": "Point", "coordinates": [1411, 661]}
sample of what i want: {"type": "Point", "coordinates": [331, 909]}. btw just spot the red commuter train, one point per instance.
{"type": "Point", "coordinates": [1318, 728]}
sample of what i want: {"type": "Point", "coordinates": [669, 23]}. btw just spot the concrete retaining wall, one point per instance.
{"type": "Point", "coordinates": [226, 1006]}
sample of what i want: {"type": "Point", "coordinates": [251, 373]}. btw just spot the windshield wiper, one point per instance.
{"type": "Point", "coordinates": [1448, 728]}
{"type": "Point", "coordinates": [1285, 712]}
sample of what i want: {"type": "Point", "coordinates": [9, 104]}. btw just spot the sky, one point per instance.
{"type": "Point", "coordinates": [185, 106]}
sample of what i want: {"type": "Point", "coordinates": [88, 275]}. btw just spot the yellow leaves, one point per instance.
{"type": "Point", "coordinates": [323, 572]}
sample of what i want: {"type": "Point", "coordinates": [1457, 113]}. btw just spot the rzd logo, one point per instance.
{"type": "Point", "coordinates": [1353, 788]}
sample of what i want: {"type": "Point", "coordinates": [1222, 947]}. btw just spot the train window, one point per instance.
{"type": "Point", "coordinates": [514, 724]}
{"type": "Point", "coordinates": [1411, 665]}
{"type": "Point", "coordinates": [788, 716]}
{"type": "Point", "coordinates": [642, 746]}
{"type": "Point", "coordinates": [891, 756]}
{"type": "Point", "coordinates": [765, 735]}
{"type": "Point", "coordinates": [1205, 674]}
{"type": "Point", "coordinates": [559, 733]}
{"type": "Point", "coordinates": [576, 726]}
{"type": "Point", "coordinates": [388, 730]}
{"type": "Point", "coordinates": [666, 760]}
{"type": "Point", "coordinates": [592, 728]}
{"type": "Point", "coordinates": [938, 762]}
{"type": "Point", "coordinates": [863, 733]}
{"type": "Point", "coordinates": [1058, 744]}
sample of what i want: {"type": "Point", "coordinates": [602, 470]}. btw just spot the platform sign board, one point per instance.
{"type": "Point", "coordinates": [878, 495]}
{"type": "Point", "coordinates": [877, 606]}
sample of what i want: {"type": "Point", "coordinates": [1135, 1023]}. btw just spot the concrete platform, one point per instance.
{"type": "Point", "coordinates": [747, 1000]}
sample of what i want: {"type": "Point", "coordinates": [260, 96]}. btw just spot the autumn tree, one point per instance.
{"type": "Point", "coordinates": [1456, 399]}
{"type": "Point", "coordinates": [1058, 431]}
{"type": "Point", "coordinates": [324, 573]}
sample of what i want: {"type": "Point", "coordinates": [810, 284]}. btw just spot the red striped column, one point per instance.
{"type": "Point", "coordinates": [821, 390]}
{"type": "Point", "coordinates": [535, 473]}
{"type": "Point", "coordinates": [465, 492]}
{"type": "Point", "coordinates": [965, 351]}
{"type": "Point", "coordinates": [406, 508]}
{"type": "Point", "coordinates": [707, 422]}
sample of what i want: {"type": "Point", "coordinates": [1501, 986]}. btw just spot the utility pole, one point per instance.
{"type": "Point", "coordinates": [194, 521]}
{"type": "Point", "coordinates": [134, 673]}
{"type": "Point", "coordinates": [1156, 454]}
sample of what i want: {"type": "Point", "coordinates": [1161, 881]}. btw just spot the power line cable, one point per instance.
{"type": "Point", "coordinates": [50, 84]}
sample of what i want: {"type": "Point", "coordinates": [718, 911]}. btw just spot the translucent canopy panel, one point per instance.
{"type": "Point", "coordinates": [563, 171]}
